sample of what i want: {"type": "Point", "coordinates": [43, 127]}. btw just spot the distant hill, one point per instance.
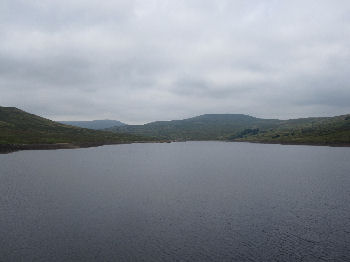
{"type": "Point", "coordinates": [19, 127]}
{"type": "Point", "coordinates": [237, 127]}
{"type": "Point", "coordinates": [94, 124]}
{"type": "Point", "coordinates": [204, 127]}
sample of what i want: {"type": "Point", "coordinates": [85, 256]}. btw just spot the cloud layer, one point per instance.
{"type": "Point", "coordinates": [139, 61]}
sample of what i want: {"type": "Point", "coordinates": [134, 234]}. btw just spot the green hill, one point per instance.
{"type": "Point", "coordinates": [237, 127]}
{"type": "Point", "coordinates": [204, 127]}
{"type": "Point", "coordinates": [322, 131]}
{"type": "Point", "coordinates": [19, 127]}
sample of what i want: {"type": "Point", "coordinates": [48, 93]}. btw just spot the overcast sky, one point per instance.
{"type": "Point", "coordinates": [140, 61]}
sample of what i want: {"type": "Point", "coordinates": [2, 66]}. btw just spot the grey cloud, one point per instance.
{"type": "Point", "coordinates": [139, 61]}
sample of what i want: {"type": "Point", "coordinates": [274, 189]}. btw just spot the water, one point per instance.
{"type": "Point", "coordinates": [193, 201]}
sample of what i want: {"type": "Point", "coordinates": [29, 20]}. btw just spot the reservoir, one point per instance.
{"type": "Point", "coordinates": [185, 201]}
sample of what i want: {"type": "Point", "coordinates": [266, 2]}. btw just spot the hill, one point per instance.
{"type": "Point", "coordinates": [31, 131]}
{"type": "Point", "coordinates": [94, 124]}
{"type": "Point", "coordinates": [19, 127]}
{"type": "Point", "coordinates": [237, 127]}
{"type": "Point", "coordinates": [204, 127]}
{"type": "Point", "coordinates": [318, 131]}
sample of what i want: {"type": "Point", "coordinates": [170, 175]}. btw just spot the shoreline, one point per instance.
{"type": "Point", "coordinates": [10, 148]}
{"type": "Point", "coordinates": [295, 143]}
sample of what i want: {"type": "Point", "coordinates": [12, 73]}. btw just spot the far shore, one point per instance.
{"type": "Point", "coordinates": [9, 148]}
{"type": "Point", "coordinates": [295, 143]}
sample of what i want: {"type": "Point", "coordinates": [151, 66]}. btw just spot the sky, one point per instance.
{"type": "Point", "coordinates": [139, 61]}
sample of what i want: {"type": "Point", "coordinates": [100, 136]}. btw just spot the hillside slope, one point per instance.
{"type": "Point", "coordinates": [204, 127]}
{"type": "Point", "coordinates": [318, 131]}
{"type": "Point", "coordinates": [19, 127]}
{"type": "Point", "coordinates": [233, 127]}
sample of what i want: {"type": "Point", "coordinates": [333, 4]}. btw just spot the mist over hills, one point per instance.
{"type": "Point", "coordinates": [94, 124]}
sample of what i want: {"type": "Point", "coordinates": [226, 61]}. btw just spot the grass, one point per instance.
{"type": "Point", "coordinates": [321, 130]}
{"type": "Point", "coordinates": [19, 127]}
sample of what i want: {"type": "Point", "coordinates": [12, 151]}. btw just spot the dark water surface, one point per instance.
{"type": "Point", "coordinates": [194, 201]}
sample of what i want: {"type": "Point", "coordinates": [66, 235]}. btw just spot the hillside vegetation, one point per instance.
{"type": "Point", "coordinates": [19, 127]}
{"type": "Point", "coordinates": [204, 127]}
{"type": "Point", "coordinates": [327, 130]}
{"type": "Point", "coordinates": [235, 127]}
